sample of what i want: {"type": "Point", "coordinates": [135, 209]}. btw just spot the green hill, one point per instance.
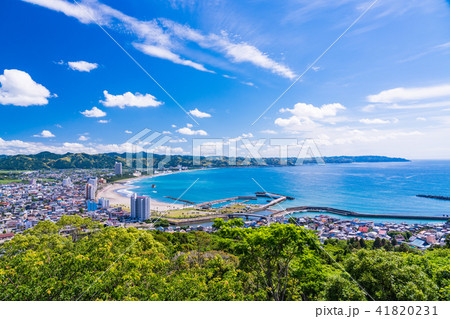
{"type": "Point", "coordinates": [47, 160]}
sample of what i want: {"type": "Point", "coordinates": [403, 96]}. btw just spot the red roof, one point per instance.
{"type": "Point", "coordinates": [7, 235]}
{"type": "Point", "coordinates": [363, 229]}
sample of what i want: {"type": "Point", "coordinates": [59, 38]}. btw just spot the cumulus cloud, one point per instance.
{"type": "Point", "coordinates": [304, 116]}
{"type": "Point", "coordinates": [241, 137]}
{"type": "Point", "coordinates": [103, 121]}
{"type": "Point", "coordinates": [18, 88]}
{"type": "Point", "coordinates": [128, 132]}
{"type": "Point", "coordinates": [295, 123]}
{"type": "Point", "coordinates": [197, 113]}
{"type": "Point", "coordinates": [14, 147]}
{"type": "Point", "coordinates": [94, 112]}
{"type": "Point", "coordinates": [83, 138]}
{"type": "Point", "coordinates": [130, 99]}
{"type": "Point", "coordinates": [45, 134]}
{"type": "Point", "coordinates": [82, 66]}
{"type": "Point", "coordinates": [189, 131]}
{"type": "Point", "coordinates": [311, 111]}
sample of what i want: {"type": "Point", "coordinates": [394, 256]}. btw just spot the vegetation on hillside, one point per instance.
{"type": "Point", "coordinates": [47, 160]}
{"type": "Point", "coordinates": [76, 259]}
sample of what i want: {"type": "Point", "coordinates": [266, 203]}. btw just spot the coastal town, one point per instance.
{"type": "Point", "coordinates": [48, 195]}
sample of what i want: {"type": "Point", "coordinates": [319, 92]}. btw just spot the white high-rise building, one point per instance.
{"type": "Point", "coordinates": [90, 192]}
{"type": "Point", "coordinates": [93, 181]}
{"type": "Point", "coordinates": [140, 207]}
{"type": "Point", "coordinates": [91, 188]}
{"type": "Point", "coordinates": [103, 202]}
{"type": "Point", "coordinates": [118, 168]}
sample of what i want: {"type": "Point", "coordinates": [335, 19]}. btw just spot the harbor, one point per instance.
{"type": "Point", "coordinates": [252, 211]}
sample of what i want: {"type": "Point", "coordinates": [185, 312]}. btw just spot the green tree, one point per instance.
{"type": "Point", "coordinates": [362, 243]}
{"type": "Point", "coordinates": [390, 276]}
{"type": "Point", "coordinates": [340, 287]}
{"type": "Point", "coordinates": [377, 243]}
{"type": "Point", "coordinates": [269, 253]}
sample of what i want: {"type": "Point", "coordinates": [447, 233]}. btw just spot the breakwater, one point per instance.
{"type": "Point", "coordinates": [353, 214]}
{"type": "Point", "coordinates": [220, 201]}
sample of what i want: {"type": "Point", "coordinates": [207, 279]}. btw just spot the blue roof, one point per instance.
{"type": "Point", "coordinates": [419, 243]}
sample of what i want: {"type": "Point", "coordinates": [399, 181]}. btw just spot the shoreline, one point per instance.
{"type": "Point", "coordinates": [110, 191]}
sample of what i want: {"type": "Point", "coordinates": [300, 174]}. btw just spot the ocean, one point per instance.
{"type": "Point", "coordinates": [378, 188]}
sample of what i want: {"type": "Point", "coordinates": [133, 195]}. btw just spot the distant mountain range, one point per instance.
{"type": "Point", "coordinates": [47, 160]}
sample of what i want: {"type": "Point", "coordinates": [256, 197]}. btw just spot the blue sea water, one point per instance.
{"type": "Point", "coordinates": [378, 188]}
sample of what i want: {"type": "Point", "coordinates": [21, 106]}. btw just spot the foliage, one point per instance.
{"type": "Point", "coordinates": [48, 160]}
{"type": "Point", "coordinates": [77, 259]}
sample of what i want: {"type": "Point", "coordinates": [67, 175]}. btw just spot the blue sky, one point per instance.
{"type": "Point", "coordinates": [383, 88]}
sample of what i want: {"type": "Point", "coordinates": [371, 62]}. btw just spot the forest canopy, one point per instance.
{"type": "Point", "coordinates": [78, 259]}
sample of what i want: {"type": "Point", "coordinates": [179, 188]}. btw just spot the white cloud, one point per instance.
{"type": "Point", "coordinates": [374, 121]}
{"type": "Point", "coordinates": [353, 136]}
{"type": "Point", "coordinates": [103, 121]}
{"type": "Point", "coordinates": [195, 112]}
{"type": "Point", "coordinates": [189, 131]}
{"type": "Point", "coordinates": [268, 132]}
{"type": "Point", "coordinates": [304, 116]}
{"type": "Point", "coordinates": [166, 132]}
{"type": "Point", "coordinates": [45, 134]}
{"type": "Point", "coordinates": [82, 66]}
{"type": "Point", "coordinates": [18, 88]}
{"type": "Point", "coordinates": [243, 52]}
{"type": "Point", "coordinates": [179, 140]}
{"type": "Point", "coordinates": [410, 94]}
{"type": "Point", "coordinates": [166, 54]}
{"type": "Point", "coordinates": [240, 137]}
{"type": "Point", "coordinates": [83, 12]}
{"type": "Point", "coordinates": [83, 138]}
{"type": "Point", "coordinates": [310, 111]}
{"type": "Point", "coordinates": [421, 118]}
{"type": "Point", "coordinates": [236, 52]}
{"type": "Point", "coordinates": [14, 147]}
{"type": "Point", "coordinates": [173, 125]}
{"type": "Point", "coordinates": [296, 124]}
{"type": "Point", "coordinates": [94, 112]}
{"type": "Point", "coordinates": [248, 83]}
{"type": "Point", "coordinates": [128, 132]}
{"type": "Point", "coordinates": [189, 125]}
{"type": "Point", "coordinates": [130, 99]}
{"type": "Point", "coordinates": [161, 37]}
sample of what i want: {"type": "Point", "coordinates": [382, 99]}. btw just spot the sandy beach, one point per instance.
{"type": "Point", "coordinates": [109, 191]}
